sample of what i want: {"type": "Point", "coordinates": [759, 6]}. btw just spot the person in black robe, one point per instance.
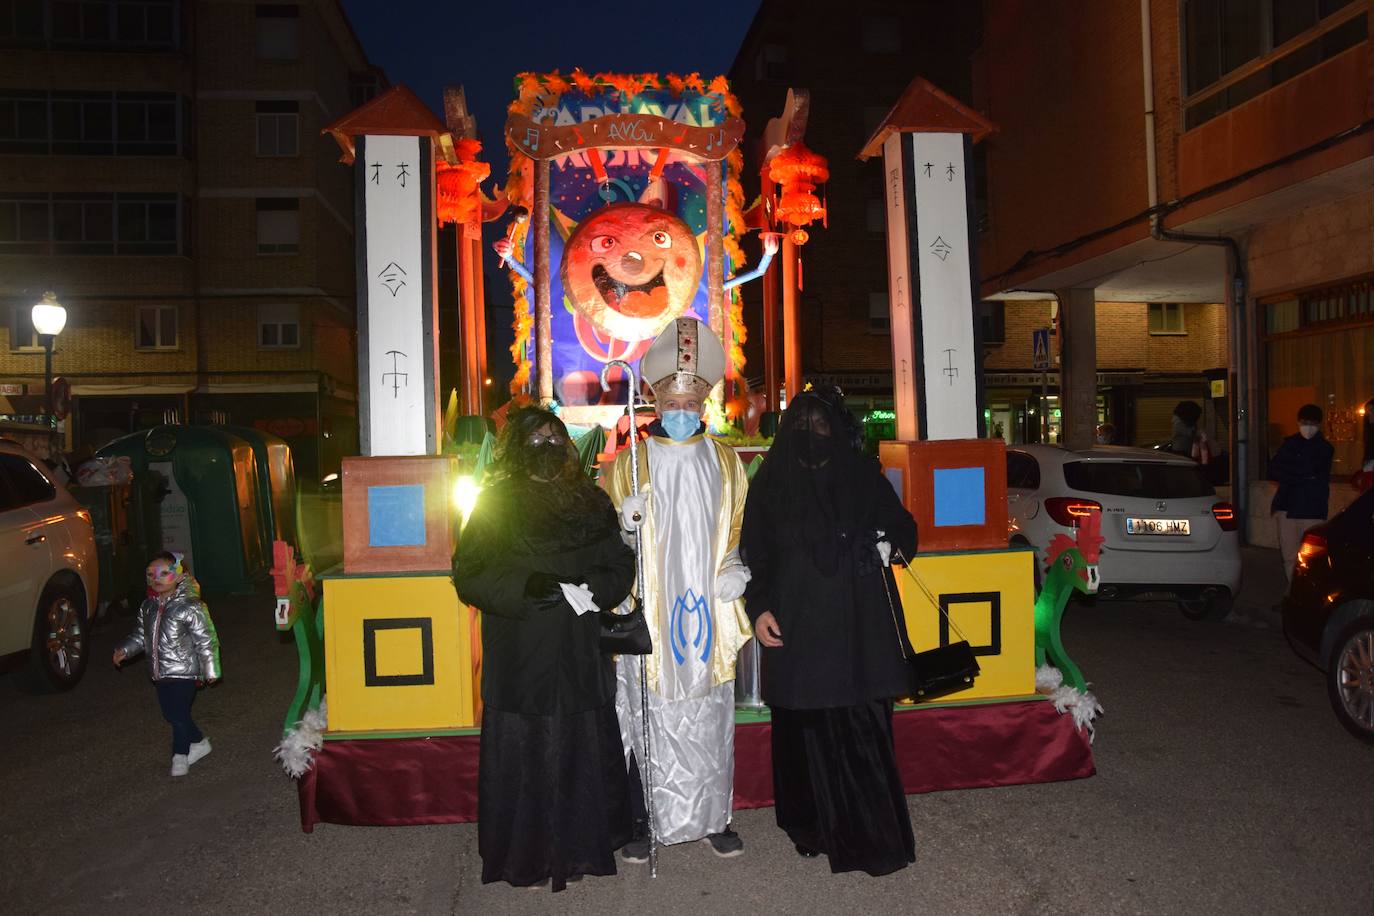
{"type": "Point", "coordinates": [552, 790]}
{"type": "Point", "coordinates": [819, 518]}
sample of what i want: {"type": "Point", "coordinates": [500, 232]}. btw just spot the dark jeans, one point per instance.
{"type": "Point", "coordinates": [175, 697]}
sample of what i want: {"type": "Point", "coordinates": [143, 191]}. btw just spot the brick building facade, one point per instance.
{"type": "Point", "coordinates": [856, 62]}
{"type": "Point", "coordinates": [1196, 152]}
{"type": "Point", "coordinates": [162, 170]}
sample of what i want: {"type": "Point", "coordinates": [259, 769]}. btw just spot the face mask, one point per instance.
{"type": "Point", "coordinates": [680, 425]}
{"type": "Point", "coordinates": [1307, 430]}
{"type": "Point", "coordinates": [546, 461]}
{"type": "Point", "coordinates": [819, 450]}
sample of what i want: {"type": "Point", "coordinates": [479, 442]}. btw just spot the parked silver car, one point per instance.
{"type": "Point", "coordinates": [1166, 532]}
{"type": "Point", "coordinates": [48, 570]}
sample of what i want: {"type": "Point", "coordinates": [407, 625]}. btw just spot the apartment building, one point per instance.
{"type": "Point", "coordinates": [856, 61]}
{"type": "Point", "coordinates": [162, 171]}
{"type": "Point", "coordinates": [1189, 153]}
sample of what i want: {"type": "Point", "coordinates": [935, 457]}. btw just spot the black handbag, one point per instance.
{"type": "Point", "coordinates": [626, 634]}
{"type": "Point", "coordinates": [935, 672]}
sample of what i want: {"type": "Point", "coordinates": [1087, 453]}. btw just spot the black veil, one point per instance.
{"type": "Point", "coordinates": [813, 476]}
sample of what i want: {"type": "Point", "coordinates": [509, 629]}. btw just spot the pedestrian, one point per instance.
{"type": "Point", "coordinates": [174, 628]}
{"type": "Point", "coordinates": [1106, 434]}
{"type": "Point", "coordinates": [819, 527]}
{"type": "Point", "coordinates": [540, 556]}
{"type": "Point", "coordinates": [1187, 438]}
{"type": "Point", "coordinates": [1302, 468]}
{"type": "Point", "coordinates": [689, 510]}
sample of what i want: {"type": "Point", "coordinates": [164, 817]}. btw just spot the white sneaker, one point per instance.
{"type": "Point", "coordinates": [198, 751]}
{"type": "Point", "coordinates": [180, 766]}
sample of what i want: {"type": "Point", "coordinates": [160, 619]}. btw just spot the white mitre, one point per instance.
{"type": "Point", "coordinates": [686, 359]}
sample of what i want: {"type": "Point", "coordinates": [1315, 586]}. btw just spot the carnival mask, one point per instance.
{"type": "Point", "coordinates": [630, 269]}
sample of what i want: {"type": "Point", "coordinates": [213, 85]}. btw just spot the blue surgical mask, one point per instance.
{"type": "Point", "coordinates": [680, 425]}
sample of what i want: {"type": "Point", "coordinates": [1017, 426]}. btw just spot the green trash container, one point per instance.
{"type": "Point", "coordinates": [120, 561]}
{"type": "Point", "coordinates": [201, 485]}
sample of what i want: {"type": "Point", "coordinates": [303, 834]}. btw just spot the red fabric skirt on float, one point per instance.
{"type": "Point", "coordinates": [403, 781]}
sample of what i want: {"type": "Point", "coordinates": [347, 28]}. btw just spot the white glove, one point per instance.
{"type": "Point", "coordinates": [730, 583]}
{"type": "Point", "coordinates": [580, 597]}
{"type": "Point", "coordinates": [884, 549]}
{"type": "Point", "coordinates": [633, 511]}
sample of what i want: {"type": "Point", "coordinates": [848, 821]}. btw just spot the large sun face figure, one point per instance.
{"type": "Point", "coordinates": [631, 269]}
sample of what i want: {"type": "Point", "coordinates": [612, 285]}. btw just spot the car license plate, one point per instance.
{"type": "Point", "coordinates": [1167, 526]}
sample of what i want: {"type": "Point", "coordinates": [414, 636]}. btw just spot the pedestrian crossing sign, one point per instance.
{"type": "Point", "coordinates": [1040, 347]}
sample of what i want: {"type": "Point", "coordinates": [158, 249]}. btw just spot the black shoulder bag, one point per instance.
{"type": "Point", "coordinates": [939, 671]}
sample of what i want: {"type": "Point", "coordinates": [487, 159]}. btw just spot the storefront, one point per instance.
{"type": "Point", "coordinates": [1319, 349]}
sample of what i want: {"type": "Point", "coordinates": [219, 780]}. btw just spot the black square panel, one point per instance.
{"type": "Point", "coordinates": [994, 602]}
{"type": "Point", "coordinates": [370, 627]}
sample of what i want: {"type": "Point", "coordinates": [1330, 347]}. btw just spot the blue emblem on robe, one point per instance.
{"type": "Point", "coordinates": [690, 605]}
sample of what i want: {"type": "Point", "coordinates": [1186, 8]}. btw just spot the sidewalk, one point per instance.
{"type": "Point", "coordinates": [1262, 587]}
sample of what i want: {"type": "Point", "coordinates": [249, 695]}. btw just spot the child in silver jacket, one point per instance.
{"type": "Point", "coordinates": [174, 628]}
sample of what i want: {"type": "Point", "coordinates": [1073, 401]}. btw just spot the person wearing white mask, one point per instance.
{"type": "Point", "coordinates": [689, 515]}
{"type": "Point", "coordinates": [1302, 468]}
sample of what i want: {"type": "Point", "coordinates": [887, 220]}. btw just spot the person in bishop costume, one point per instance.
{"type": "Point", "coordinates": [689, 511]}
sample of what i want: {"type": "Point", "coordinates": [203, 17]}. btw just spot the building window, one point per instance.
{"type": "Point", "coordinates": [993, 315]}
{"type": "Point", "coordinates": [879, 315]}
{"type": "Point", "coordinates": [278, 128]}
{"type": "Point", "coordinates": [771, 63]}
{"type": "Point", "coordinates": [881, 35]}
{"type": "Point", "coordinates": [279, 327]}
{"type": "Point", "coordinates": [279, 31]}
{"type": "Point", "coordinates": [23, 121]}
{"type": "Point", "coordinates": [157, 327]}
{"type": "Point", "coordinates": [22, 334]}
{"type": "Point", "coordinates": [1166, 318]}
{"type": "Point", "coordinates": [1226, 41]}
{"type": "Point", "coordinates": [25, 223]}
{"type": "Point", "coordinates": [363, 87]}
{"type": "Point", "coordinates": [108, 123]}
{"type": "Point", "coordinates": [96, 224]}
{"type": "Point", "coordinates": [116, 24]}
{"type": "Point", "coordinates": [21, 23]}
{"type": "Point", "coordinates": [279, 225]}
{"type": "Point", "coordinates": [1330, 305]}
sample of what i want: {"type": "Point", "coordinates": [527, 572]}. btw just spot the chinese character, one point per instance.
{"type": "Point", "coordinates": [391, 277]}
{"type": "Point", "coordinates": [928, 167]}
{"type": "Point", "coordinates": [398, 378]}
{"type": "Point", "coordinates": [949, 172]}
{"type": "Point", "coordinates": [950, 371]}
{"type": "Point", "coordinates": [376, 173]}
{"type": "Point", "coordinates": [940, 248]}
{"type": "Point", "coordinates": [402, 171]}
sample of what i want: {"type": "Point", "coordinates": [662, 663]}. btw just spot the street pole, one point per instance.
{"type": "Point", "coordinates": [1044, 406]}
{"type": "Point", "coordinates": [47, 341]}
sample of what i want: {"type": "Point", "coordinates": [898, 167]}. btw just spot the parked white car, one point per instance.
{"type": "Point", "coordinates": [1166, 532]}
{"type": "Point", "coordinates": [48, 570]}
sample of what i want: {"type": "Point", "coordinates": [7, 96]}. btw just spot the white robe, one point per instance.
{"type": "Point", "coordinates": [691, 722]}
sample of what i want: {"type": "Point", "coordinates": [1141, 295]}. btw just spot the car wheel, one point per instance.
{"type": "Point", "coordinates": [1211, 604]}
{"type": "Point", "coordinates": [1350, 678]}
{"type": "Point", "coordinates": [61, 641]}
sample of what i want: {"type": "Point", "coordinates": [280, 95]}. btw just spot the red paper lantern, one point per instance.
{"type": "Point", "coordinates": [797, 170]}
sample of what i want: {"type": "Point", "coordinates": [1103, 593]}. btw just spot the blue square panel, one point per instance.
{"type": "Point", "coordinates": [396, 516]}
{"type": "Point", "coordinates": [959, 497]}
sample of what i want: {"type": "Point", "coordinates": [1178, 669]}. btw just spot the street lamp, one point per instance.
{"type": "Point", "coordinates": [49, 318]}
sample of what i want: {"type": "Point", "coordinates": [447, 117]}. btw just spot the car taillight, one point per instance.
{"type": "Point", "coordinates": [1067, 511]}
{"type": "Point", "coordinates": [1313, 549]}
{"type": "Point", "coordinates": [1225, 515]}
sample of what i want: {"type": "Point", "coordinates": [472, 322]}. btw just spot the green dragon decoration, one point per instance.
{"type": "Point", "coordinates": [1071, 565]}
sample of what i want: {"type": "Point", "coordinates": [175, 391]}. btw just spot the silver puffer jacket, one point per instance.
{"type": "Point", "coordinates": [178, 636]}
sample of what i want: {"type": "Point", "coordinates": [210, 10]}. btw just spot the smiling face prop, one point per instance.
{"type": "Point", "coordinates": [631, 269]}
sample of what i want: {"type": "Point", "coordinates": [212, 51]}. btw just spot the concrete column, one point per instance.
{"type": "Point", "coordinates": [1078, 366]}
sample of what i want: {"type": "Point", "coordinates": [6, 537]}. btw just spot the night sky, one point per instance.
{"type": "Point", "coordinates": [481, 46]}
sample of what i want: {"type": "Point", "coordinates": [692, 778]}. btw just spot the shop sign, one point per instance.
{"type": "Point", "coordinates": [11, 390]}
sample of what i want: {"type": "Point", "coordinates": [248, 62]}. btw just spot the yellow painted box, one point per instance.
{"type": "Point", "coordinates": [989, 595]}
{"type": "Point", "coordinates": [398, 654]}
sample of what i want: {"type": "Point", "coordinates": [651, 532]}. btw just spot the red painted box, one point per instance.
{"type": "Point", "coordinates": [398, 514]}
{"type": "Point", "coordinates": [955, 488]}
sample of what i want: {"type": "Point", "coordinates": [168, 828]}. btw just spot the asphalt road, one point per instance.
{"type": "Point", "coordinates": [1224, 786]}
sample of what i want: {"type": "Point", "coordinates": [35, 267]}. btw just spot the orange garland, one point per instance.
{"type": "Point", "coordinates": [459, 198]}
